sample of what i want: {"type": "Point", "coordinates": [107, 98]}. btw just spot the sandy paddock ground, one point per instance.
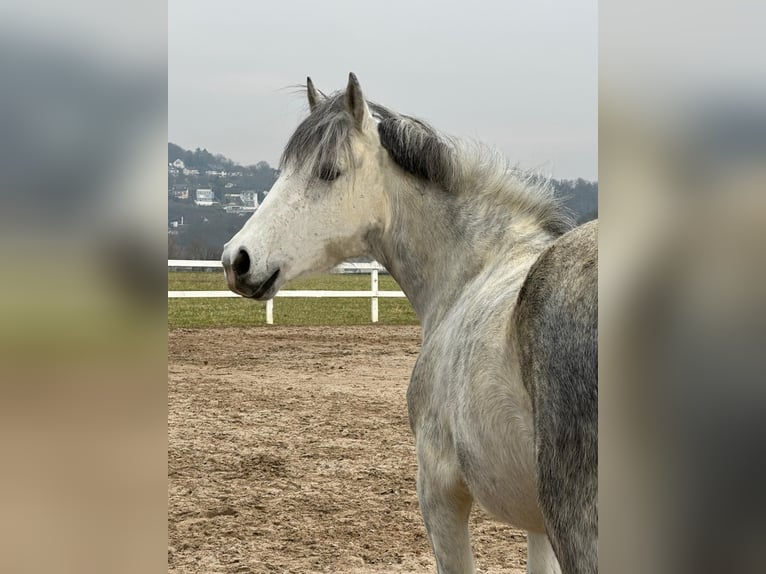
{"type": "Point", "coordinates": [290, 451]}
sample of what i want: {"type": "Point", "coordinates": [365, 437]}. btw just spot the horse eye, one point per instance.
{"type": "Point", "coordinates": [328, 173]}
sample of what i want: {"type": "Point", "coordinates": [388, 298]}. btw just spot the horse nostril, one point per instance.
{"type": "Point", "coordinates": [241, 262]}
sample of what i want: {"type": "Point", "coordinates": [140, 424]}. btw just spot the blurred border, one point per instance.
{"type": "Point", "coordinates": [682, 173]}
{"type": "Point", "coordinates": [83, 143]}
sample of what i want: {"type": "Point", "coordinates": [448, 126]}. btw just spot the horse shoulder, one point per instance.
{"type": "Point", "coordinates": [466, 354]}
{"type": "Point", "coordinates": [466, 399]}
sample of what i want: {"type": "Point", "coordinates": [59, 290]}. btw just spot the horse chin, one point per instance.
{"type": "Point", "coordinates": [266, 296]}
{"type": "Point", "coordinates": [265, 290]}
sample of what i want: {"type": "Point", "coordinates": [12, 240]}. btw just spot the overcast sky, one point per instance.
{"type": "Point", "coordinates": [518, 75]}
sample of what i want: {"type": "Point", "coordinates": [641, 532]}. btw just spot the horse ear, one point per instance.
{"type": "Point", "coordinates": [315, 96]}
{"type": "Point", "coordinates": [355, 102]}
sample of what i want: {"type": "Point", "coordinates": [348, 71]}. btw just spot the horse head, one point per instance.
{"type": "Point", "coordinates": [328, 199]}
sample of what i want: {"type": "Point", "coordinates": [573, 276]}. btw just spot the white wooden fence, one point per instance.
{"type": "Point", "coordinates": [373, 294]}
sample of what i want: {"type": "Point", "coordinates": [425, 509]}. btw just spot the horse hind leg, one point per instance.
{"type": "Point", "coordinates": [566, 425]}
{"type": "Point", "coordinates": [445, 504]}
{"type": "Point", "coordinates": [540, 556]}
{"type": "Point", "coordinates": [567, 491]}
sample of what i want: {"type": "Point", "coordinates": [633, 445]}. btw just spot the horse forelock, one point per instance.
{"type": "Point", "coordinates": [322, 141]}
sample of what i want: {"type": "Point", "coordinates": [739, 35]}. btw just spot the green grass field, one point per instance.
{"type": "Point", "coordinates": [199, 313]}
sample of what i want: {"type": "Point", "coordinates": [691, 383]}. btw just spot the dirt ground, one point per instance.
{"type": "Point", "coordinates": [290, 451]}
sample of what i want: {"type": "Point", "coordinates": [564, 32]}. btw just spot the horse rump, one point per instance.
{"type": "Point", "coordinates": [556, 324]}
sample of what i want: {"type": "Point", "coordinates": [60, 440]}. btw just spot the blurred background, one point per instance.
{"type": "Point", "coordinates": [682, 150]}
{"type": "Point", "coordinates": [83, 132]}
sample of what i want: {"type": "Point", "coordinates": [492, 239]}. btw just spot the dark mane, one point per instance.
{"type": "Point", "coordinates": [418, 149]}
{"type": "Point", "coordinates": [322, 142]}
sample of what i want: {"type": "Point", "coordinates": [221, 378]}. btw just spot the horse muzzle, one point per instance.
{"type": "Point", "coordinates": [242, 279]}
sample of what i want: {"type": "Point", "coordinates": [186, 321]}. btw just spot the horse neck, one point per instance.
{"type": "Point", "coordinates": [435, 243]}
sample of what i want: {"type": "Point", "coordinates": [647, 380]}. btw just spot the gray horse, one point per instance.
{"type": "Point", "coordinates": [503, 397]}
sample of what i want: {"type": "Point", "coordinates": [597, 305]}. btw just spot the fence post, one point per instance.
{"type": "Point", "coordinates": [374, 289]}
{"type": "Point", "coordinates": [270, 311]}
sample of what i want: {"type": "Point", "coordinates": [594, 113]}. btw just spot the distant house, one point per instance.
{"type": "Point", "coordinates": [241, 203]}
{"type": "Point", "coordinates": [204, 197]}
{"type": "Point", "coordinates": [178, 164]}
{"type": "Point", "coordinates": [180, 191]}
{"type": "Point", "coordinates": [191, 171]}
{"type": "Point", "coordinates": [238, 209]}
{"type": "Point", "coordinates": [249, 198]}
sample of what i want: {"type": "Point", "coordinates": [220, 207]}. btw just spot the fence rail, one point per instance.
{"type": "Point", "coordinates": [373, 268]}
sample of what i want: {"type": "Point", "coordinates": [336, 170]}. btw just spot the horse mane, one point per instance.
{"type": "Point", "coordinates": [322, 142]}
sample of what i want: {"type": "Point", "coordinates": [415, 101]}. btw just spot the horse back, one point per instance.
{"type": "Point", "coordinates": [556, 324]}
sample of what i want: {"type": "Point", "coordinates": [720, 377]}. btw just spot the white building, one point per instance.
{"type": "Point", "coordinates": [180, 191]}
{"type": "Point", "coordinates": [204, 197]}
{"type": "Point", "coordinates": [178, 164]}
{"type": "Point", "coordinates": [250, 198]}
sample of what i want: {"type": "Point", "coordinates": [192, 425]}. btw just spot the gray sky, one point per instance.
{"type": "Point", "coordinates": [518, 75]}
